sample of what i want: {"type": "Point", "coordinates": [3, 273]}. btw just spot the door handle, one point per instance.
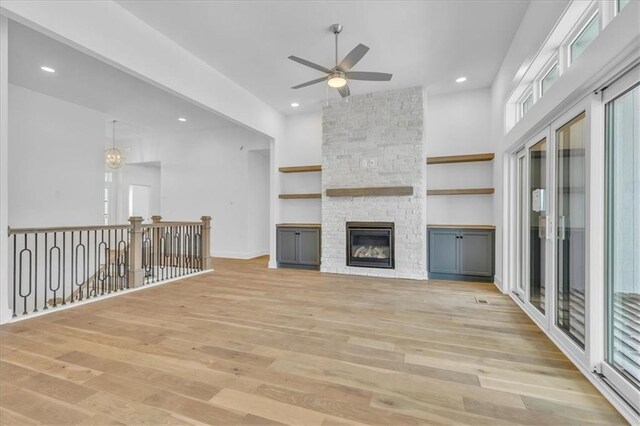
{"type": "Point", "coordinates": [562, 227]}
{"type": "Point", "coordinates": [542, 227]}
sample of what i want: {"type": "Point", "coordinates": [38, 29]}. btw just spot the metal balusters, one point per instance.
{"type": "Point", "coordinates": [54, 267]}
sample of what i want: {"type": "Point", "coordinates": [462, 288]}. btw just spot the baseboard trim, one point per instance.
{"type": "Point", "coordinates": [609, 393]}
{"type": "Point", "coordinates": [498, 283]}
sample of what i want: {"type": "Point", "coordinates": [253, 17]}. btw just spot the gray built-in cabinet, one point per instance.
{"type": "Point", "coordinates": [465, 254]}
{"type": "Point", "coordinates": [298, 246]}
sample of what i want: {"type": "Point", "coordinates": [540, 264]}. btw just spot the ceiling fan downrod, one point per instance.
{"type": "Point", "coordinates": [336, 28]}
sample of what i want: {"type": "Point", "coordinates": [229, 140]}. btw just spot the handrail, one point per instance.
{"type": "Point", "coordinates": [13, 231]}
{"type": "Point", "coordinates": [161, 224]}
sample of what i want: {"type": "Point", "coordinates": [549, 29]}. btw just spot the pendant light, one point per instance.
{"type": "Point", "coordinates": [113, 157]}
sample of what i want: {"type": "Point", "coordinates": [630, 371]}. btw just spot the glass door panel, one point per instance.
{"type": "Point", "coordinates": [537, 224]}
{"type": "Point", "coordinates": [521, 194]}
{"type": "Point", "coordinates": [623, 234]}
{"type": "Point", "coordinates": [570, 219]}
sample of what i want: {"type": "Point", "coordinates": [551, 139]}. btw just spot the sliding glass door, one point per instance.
{"type": "Point", "coordinates": [622, 278]}
{"type": "Point", "coordinates": [570, 230]}
{"type": "Point", "coordinates": [577, 219]}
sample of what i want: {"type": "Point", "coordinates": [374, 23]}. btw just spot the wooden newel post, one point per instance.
{"type": "Point", "coordinates": [207, 261]}
{"type": "Point", "coordinates": [156, 218]}
{"type": "Point", "coordinates": [136, 272]}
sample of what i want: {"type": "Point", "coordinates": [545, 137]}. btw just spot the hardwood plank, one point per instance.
{"type": "Point", "coordinates": [300, 169]}
{"type": "Point", "coordinates": [467, 158]}
{"type": "Point", "coordinates": [370, 191]}
{"type": "Point", "coordinates": [42, 409]}
{"type": "Point", "coordinates": [269, 409]}
{"type": "Point", "coordinates": [251, 345]}
{"type": "Point", "coordinates": [124, 410]}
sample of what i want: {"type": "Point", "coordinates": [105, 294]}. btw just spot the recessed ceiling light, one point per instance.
{"type": "Point", "coordinates": [47, 69]}
{"type": "Point", "coordinates": [182, 119]}
{"type": "Point", "coordinates": [461, 79]}
{"type": "Point", "coordinates": [295, 104]}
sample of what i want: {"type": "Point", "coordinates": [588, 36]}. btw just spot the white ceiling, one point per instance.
{"type": "Point", "coordinates": [139, 106]}
{"type": "Point", "coordinates": [428, 43]}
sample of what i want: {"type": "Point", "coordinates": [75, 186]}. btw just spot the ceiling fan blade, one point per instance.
{"type": "Point", "coordinates": [353, 57]}
{"type": "Point", "coordinates": [309, 83]}
{"type": "Point", "coordinates": [344, 91]}
{"type": "Point", "coordinates": [368, 76]}
{"type": "Point", "coordinates": [309, 64]}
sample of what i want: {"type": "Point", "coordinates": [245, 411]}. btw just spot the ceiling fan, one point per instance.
{"type": "Point", "coordinates": [337, 76]}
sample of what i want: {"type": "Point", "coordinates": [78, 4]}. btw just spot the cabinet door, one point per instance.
{"type": "Point", "coordinates": [287, 250]}
{"type": "Point", "coordinates": [443, 251]}
{"type": "Point", "coordinates": [309, 246]}
{"type": "Point", "coordinates": [476, 253]}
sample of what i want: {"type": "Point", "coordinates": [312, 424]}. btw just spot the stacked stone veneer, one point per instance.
{"type": "Point", "coordinates": [387, 127]}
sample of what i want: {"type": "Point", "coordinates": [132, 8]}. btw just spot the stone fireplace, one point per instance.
{"type": "Point", "coordinates": [373, 171]}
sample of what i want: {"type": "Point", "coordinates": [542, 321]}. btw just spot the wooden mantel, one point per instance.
{"type": "Point", "coordinates": [370, 191]}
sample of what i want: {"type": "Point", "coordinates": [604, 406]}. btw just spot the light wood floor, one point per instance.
{"type": "Point", "coordinates": [248, 345]}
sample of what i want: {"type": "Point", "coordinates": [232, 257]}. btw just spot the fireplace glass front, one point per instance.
{"type": "Point", "coordinates": [370, 244]}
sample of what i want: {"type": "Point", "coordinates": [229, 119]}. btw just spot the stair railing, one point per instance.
{"type": "Point", "coordinates": [56, 267]}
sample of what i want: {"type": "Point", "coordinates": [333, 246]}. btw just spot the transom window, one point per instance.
{"type": "Point", "coordinates": [585, 37]}
{"type": "Point", "coordinates": [550, 78]}
{"type": "Point", "coordinates": [527, 103]}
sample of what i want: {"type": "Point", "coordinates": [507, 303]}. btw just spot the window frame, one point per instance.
{"type": "Point", "coordinates": [583, 23]}
{"type": "Point", "coordinates": [554, 61]}
{"type": "Point", "coordinates": [529, 93]}
{"type": "Point", "coordinates": [616, 7]}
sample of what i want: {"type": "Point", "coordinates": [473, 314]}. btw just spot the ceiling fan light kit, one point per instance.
{"type": "Point", "coordinates": [337, 80]}
{"type": "Point", "coordinates": [338, 76]}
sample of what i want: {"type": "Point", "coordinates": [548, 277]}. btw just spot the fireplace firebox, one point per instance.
{"type": "Point", "coordinates": [370, 244]}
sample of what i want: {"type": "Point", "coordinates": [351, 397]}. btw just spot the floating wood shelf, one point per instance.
{"type": "Point", "coordinates": [465, 191]}
{"type": "Point", "coordinates": [469, 158]}
{"type": "Point", "coordinates": [299, 196]}
{"type": "Point", "coordinates": [301, 169]}
{"type": "Point", "coordinates": [370, 192]}
{"type": "Point", "coordinates": [298, 225]}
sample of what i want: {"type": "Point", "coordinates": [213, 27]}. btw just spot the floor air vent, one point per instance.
{"type": "Point", "coordinates": [482, 301]}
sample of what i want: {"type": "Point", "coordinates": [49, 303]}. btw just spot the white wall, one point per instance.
{"type": "Point", "coordinates": [208, 174]}
{"type": "Point", "coordinates": [460, 123]}
{"type": "Point", "coordinates": [5, 312]}
{"type": "Point", "coordinates": [301, 146]}
{"type": "Point", "coordinates": [56, 161]}
{"type": "Point", "coordinates": [258, 203]}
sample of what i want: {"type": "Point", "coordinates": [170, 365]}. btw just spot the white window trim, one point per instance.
{"type": "Point", "coordinates": [573, 20]}
{"type": "Point", "coordinates": [520, 105]}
